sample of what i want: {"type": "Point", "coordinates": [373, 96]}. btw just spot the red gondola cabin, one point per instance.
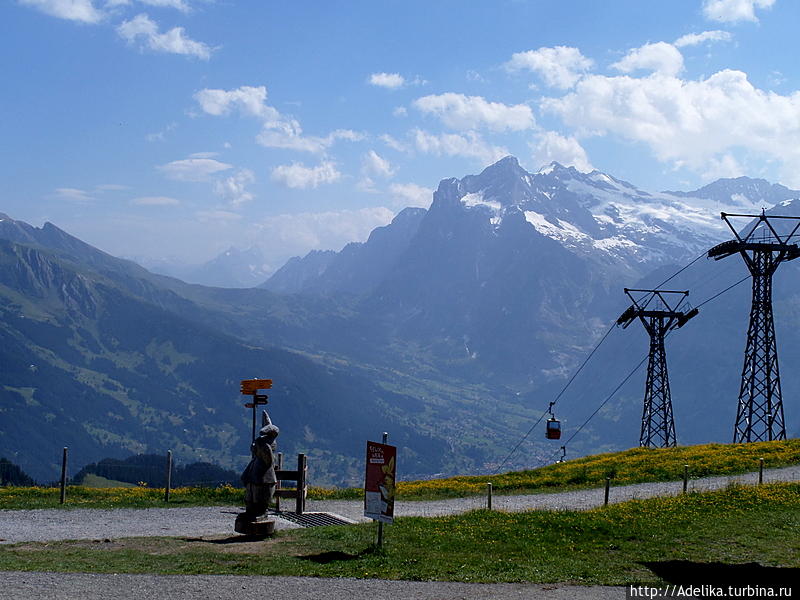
{"type": "Point", "coordinates": [553, 429]}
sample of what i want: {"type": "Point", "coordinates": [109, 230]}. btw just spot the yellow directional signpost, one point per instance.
{"type": "Point", "coordinates": [251, 387]}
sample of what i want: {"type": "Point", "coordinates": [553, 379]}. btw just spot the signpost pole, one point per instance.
{"type": "Point", "coordinates": [254, 418]}
{"type": "Point", "coordinates": [250, 387]}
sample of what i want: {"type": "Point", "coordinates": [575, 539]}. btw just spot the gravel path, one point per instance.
{"type": "Point", "coordinates": [49, 524]}
{"type": "Point", "coordinates": [42, 525]}
{"type": "Point", "coordinates": [87, 586]}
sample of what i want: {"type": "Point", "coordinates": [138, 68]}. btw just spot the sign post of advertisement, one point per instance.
{"type": "Point", "coordinates": [379, 482]}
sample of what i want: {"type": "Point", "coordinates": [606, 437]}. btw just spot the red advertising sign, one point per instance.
{"type": "Point", "coordinates": [379, 482]}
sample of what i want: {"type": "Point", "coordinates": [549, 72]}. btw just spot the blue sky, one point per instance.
{"type": "Point", "coordinates": [174, 129]}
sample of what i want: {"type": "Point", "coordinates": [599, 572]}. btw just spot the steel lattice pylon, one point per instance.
{"type": "Point", "coordinates": [760, 413]}
{"type": "Point", "coordinates": [759, 416]}
{"type": "Point", "coordinates": [658, 424]}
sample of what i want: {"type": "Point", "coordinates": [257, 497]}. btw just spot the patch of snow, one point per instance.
{"type": "Point", "coordinates": [561, 231]}
{"type": "Point", "coordinates": [547, 170]}
{"type": "Point", "coordinates": [476, 199]}
{"type": "Point", "coordinates": [617, 242]}
{"type": "Point", "coordinates": [740, 200]}
{"type": "Point", "coordinates": [598, 176]}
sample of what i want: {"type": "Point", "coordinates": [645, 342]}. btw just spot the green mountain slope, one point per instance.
{"type": "Point", "coordinates": [88, 363]}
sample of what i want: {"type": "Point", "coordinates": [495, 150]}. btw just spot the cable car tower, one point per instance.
{"type": "Point", "coordinates": [759, 417]}
{"type": "Point", "coordinates": [658, 315]}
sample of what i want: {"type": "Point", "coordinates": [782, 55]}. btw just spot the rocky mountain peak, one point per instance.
{"type": "Point", "coordinates": [742, 191]}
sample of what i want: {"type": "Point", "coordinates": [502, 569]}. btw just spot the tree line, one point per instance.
{"type": "Point", "coordinates": [141, 469]}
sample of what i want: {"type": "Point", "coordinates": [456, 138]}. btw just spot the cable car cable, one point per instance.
{"type": "Point", "coordinates": [674, 275]}
{"type": "Point", "coordinates": [641, 362]}
{"type": "Point", "coordinates": [564, 389]}
{"type": "Point", "coordinates": [730, 287]}
{"type": "Point", "coordinates": [583, 364]}
{"type": "Point", "coordinates": [594, 350]}
{"type": "Point", "coordinates": [611, 395]}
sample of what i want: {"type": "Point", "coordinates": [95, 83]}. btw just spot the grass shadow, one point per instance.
{"type": "Point", "coordinates": [685, 572]}
{"type": "Point", "coordinates": [234, 539]}
{"type": "Point", "coordinates": [325, 558]}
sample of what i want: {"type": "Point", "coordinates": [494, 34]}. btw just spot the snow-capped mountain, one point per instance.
{"type": "Point", "coordinates": [594, 216]}
{"type": "Point", "coordinates": [517, 273]}
{"type": "Point", "coordinates": [233, 268]}
{"type": "Point", "coordinates": [597, 215]}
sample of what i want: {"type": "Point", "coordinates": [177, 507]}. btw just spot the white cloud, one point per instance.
{"type": "Point", "coordinates": [694, 39]}
{"type": "Point", "coordinates": [374, 164]}
{"type": "Point", "coordinates": [688, 123]}
{"type": "Point", "coordinates": [249, 100]}
{"type": "Point", "coordinates": [193, 169]}
{"type": "Point", "coordinates": [400, 111]}
{"type": "Point", "coordinates": [560, 67]}
{"type": "Point", "coordinates": [461, 112]}
{"type": "Point", "coordinates": [722, 166]}
{"type": "Point", "coordinates": [660, 57]}
{"type": "Point", "coordinates": [565, 150]}
{"type": "Point", "coordinates": [174, 41]}
{"type": "Point", "coordinates": [298, 233]}
{"type": "Point", "coordinates": [82, 11]}
{"type": "Point", "coordinates": [161, 136]}
{"type": "Point", "coordinates": [732, 11]}
{"type": "Point", "coordinates": [287, 133]}
{"type": "Point", "coordinates": [470, 145]}
{"type": "Point", "coordinates": [411, 194]}
{"type": "Point", "coordinates": [155, 201]}
{"type": "Point", "coordinates": [73, 194]}
{"type": "Point", "coordinates": [234, 188]}
{"type": "Point", "coordinates": [278, 130]}
{"type": "Point", "coordinates": [218, 216]}
{"type": "Point", "coordinates": [176, 4]}
{"type": "Point", "coordinates": [394, 143]}
{"type": "Point", "coordinates": [298, 176]}
{"type": "Point", "coordinates": [390, 81]}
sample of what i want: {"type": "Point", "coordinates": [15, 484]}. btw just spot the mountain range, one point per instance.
{"type": "Point", "coordinates": [451, 328]}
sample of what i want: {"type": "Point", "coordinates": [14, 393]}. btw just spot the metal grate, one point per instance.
{"type": "Point", "coordinates": [313, 519]}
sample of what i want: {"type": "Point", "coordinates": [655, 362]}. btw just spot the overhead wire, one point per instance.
{"type": "Point", "coordinates": [678, 272]}
{"type": "Point", "coordinates": [580, 368]}
{"type": "Point", "coordinates": [563, 389]}
{"type": "Point", "coordinates": [641, 362]}
{"type": "Point", "coordinates": [624, 381]}
{"type": "Point", "coordinates": [604, 402]}
{"type": "Point", "coordinates": [730, 287]}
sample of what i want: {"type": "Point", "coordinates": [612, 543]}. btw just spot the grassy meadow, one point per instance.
{"type": "Point", "coordinates": [637, 465]}
{"type": "Point", "coordinates": [637, 542]}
